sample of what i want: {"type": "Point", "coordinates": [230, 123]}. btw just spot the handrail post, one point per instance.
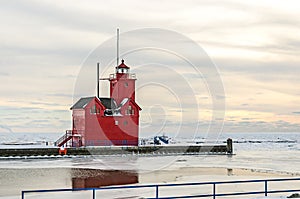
{"type": "Point", "coordinates": [23, 195]}
{"type": "Point", "coordinates": [266, 187]}
{"type": "Point", "coordinates": [214, 190]}
{"type": "Point", "coordinates": [94, 194]}
{"type": "Point", "coordinates": [156, 191]}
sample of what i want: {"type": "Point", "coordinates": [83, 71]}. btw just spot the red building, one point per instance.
{"type": "Point", "coordinates": [107, 121]}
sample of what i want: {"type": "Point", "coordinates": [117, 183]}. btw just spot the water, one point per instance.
{"type": "Point", "coordinates": [20, 140]}
{"type": "Point", "coordinates": [264, 141]}
{"type": "Point", "coordinates": [261, 155]}
{"type": "Point", "coordinates": [13, 180]}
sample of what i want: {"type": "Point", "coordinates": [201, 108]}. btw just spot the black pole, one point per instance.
{"type": "Point", "coordinates": [98, 79]}
{"type": "Point", "coordinates": [118, 45]}
{"type": "Point", "coordinates": [229, 146]}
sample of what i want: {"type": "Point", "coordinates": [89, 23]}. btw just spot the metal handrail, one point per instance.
{"type": "Point", "coordinates": [114, 76]}
{"type": "Point", "coordinates": [157, 186]}
{"type": "Point", "coordinates": [63, 137]}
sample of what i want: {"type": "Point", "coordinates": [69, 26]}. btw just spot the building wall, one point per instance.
{"type": "Point", "coordinates": [122, 88]}
{"type": "Point", "coordinates": [103, 130]}
{"type": "Point", "coordinates": [78, 116]}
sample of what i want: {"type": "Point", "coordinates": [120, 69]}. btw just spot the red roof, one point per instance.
{"type": "Point", "coordinates": [122, 65]}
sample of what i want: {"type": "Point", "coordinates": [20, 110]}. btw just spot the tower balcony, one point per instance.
{"type": "Point", "coordinates": [127, 75]}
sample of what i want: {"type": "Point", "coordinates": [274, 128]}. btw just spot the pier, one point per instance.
{"type": "Point", "coordinates": [222, 149]}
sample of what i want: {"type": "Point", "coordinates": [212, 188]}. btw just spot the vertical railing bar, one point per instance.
{"type": "Point", "coordinates": [94, 194]}
{"type": "Point", "coordinates": [266, 187]}
{"type": "Point", "coordinates": [156, 192]}
{"type": "Point", "coordinates": [214, 190]}
{"type": "Point", "coordinates": [23, 195]}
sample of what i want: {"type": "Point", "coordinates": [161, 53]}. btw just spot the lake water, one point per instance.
{"type": "Point", "coordinates": [259, 155]}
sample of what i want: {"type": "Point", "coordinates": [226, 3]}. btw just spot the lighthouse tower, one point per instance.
{"type": "Point", "coordinates": [122, 84]}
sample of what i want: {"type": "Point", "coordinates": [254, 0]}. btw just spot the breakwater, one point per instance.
{"type": "Point", "coordinates": [121, 150]}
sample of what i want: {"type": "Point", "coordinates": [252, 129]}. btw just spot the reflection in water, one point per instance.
{"type": "Point", "coordinates": [93, 178]}
{"type": "Point", "coordinates": [14, 180]}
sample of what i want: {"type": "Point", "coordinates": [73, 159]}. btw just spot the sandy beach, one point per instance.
{"type": "Point", "coordinates": [54, 178]}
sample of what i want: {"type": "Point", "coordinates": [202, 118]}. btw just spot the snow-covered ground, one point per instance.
{"type": "Point", "coordinates": [258, 156]}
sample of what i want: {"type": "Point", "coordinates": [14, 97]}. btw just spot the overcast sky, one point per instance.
{"type": "Point", "coordinates": [254, 44]}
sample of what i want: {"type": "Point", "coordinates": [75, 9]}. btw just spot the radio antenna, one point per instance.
{"type": "Point", "coordinates": [118, 35]}
{"type": "Point", "coordinates": [98, 80]}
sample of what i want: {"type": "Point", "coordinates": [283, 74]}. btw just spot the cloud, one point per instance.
{"type": "Point", "coordinates": [253, 126]}
{"type": "Point", "coordinates": [62, 76]}
{"type": "Point", "coordinates": [6, 128]}
{"type": "Point", "coordinates": [60, 95]}
{"type": "Point", "coordinates": [282, 46]}
{"type": "Point", "coordinates": [44, 44]}
{"type": "Point", "coordinates": [4, 74]}
{"type": "Point", "coordinates": [10, 108]}
{"type": "Point", "coordinates": [45, 103]}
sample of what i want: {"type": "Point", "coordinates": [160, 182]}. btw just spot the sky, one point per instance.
{"type": "Point", "coordinates": [254, 45]}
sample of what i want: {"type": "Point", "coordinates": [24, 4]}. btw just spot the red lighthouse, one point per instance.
{"type": "Point", "coordinates": [122, 84]}
{"type": "Point", "coordinates": [100, 121]}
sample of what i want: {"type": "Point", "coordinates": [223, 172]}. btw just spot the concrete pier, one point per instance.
{"type": "Point", "coordinates": [123, 150]}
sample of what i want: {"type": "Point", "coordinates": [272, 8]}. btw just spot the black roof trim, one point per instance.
{"type": "Point", "coordinates": [82, 102]}
{"type": "Point", "coordinates": [109, 103]}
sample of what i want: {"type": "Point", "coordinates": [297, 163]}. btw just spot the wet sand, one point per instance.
{"type": "Point", "coordinates": [186, 174]}
{"type": "Point", "coordinates": [87, 172]}
{"type": "Point", "coordinates": [14, 180]}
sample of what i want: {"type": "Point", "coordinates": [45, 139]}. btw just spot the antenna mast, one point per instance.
{"type": "Point", "coordinates": [118, 32]}
{"type": "Point", "coordinates": [98, 80]}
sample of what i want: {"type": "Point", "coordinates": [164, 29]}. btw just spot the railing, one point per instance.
{"type": "Point", "coordinates": [64, 138]}
{"type": "Point", "coordinates": [130, 76]}
{"type": "Point", "coordinates": [157, 188]}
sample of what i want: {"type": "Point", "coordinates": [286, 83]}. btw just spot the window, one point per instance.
{"type": "Point", "coordinates": [130, 110]}
{"type": "Point", "coordinates": [116, 122]}
{"type": "Point", "coordinates": [95, 110]}
{"type": "Point", "coordinates": [126, 84]}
